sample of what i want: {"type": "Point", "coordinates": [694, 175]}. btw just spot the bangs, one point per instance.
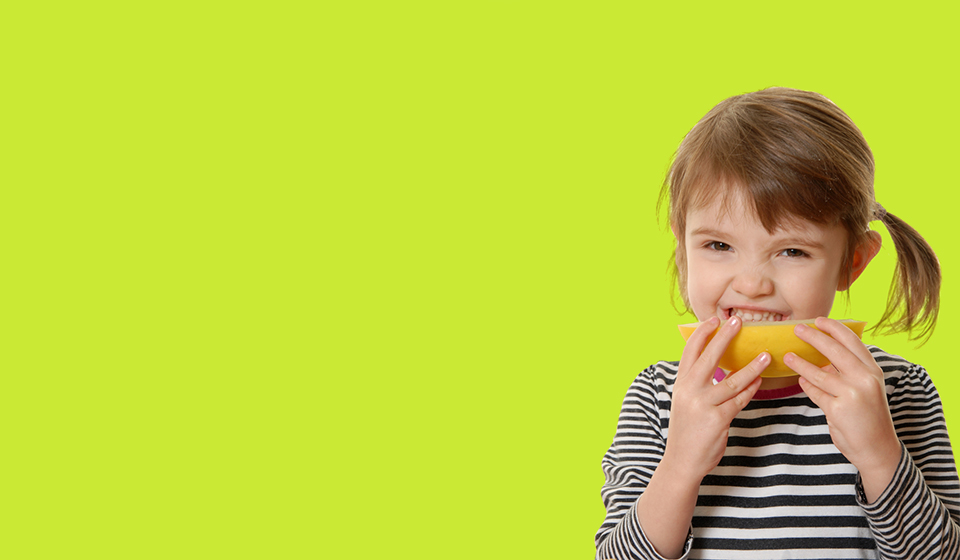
{"type": "Point", "coordinates": [776, 204]}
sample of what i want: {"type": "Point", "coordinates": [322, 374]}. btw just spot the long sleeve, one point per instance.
{"type": "Point", "coordinates": [629, 464]}
{"type": "Point", "coordinates": [918, 515]}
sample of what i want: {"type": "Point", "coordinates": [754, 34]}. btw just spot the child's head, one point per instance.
{"type": "Point", "coordinates": [795, 161]}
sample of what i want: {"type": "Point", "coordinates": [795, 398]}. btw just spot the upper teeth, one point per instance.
{"type": "Point", "coordinates": [757, 315]}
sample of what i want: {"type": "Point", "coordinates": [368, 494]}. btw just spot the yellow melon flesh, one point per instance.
{"type": "Point", "coordinates": [776, 337]}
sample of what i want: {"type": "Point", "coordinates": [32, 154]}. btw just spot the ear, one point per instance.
{"type": "Point", "coordinates": [862, 256]}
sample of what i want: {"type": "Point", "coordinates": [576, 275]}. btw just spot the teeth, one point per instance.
{"type": "Point", "coordinates": [756, 315]}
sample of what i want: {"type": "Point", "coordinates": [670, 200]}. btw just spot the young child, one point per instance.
{"type": "Point", "coordinates": [770, 198]}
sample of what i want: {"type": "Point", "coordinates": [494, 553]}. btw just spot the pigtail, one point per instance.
{"type": "Point", "coordinates": [914, 299]}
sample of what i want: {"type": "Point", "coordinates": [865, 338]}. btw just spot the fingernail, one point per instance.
{"type": "Point", "coordinates": [800, 328]}
{"type": "Point", "coordinates": [764, 359]}
{"type": "Point", "coordinates": [734, 321]}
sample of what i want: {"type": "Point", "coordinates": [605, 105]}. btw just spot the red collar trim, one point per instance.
{"type": "Point", "coordinates": [768, 395]}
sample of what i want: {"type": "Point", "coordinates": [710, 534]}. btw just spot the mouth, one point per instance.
{"type": "Point", "coordinates": [752, 315]}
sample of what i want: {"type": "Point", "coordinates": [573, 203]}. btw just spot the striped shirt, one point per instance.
{"type": "Point", "coordinates": [782, 489]}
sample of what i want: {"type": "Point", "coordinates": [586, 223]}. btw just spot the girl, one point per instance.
{"type": "Point", "coordinates": [770, 198]}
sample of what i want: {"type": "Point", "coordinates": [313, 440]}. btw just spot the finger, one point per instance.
{"type": "Point", "coordinates": [718, 345]}
{"type": "Point", "coordinates": [836, 352]}
{"type": "Point", "coordinates": [817, 395]}
{"type": "Point", "coordinates": [736, 382]}
{"type": "Point", "coordinates": [732, 407]}
{"type": "Point", "coordinates": [822, 378]}
{"type": "Point", "coordinates": [846, 337]}
{"type": "Point", "coordinates": [694, 346]}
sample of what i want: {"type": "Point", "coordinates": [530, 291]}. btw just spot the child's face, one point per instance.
{"type": "Point", "coordinates": [734, 266]}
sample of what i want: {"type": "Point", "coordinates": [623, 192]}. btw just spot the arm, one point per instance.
{"type": "Point", "coordinates": [629, 465]}
{"type": "Point", "coordinates": [653, 481]}
{"type": "Point", "coordinates": [887, 420]}
{"type": "Point", "coordinates": [917, 515]}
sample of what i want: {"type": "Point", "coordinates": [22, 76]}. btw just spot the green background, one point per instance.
{"type": "Point", "coordinates": [299, 280]}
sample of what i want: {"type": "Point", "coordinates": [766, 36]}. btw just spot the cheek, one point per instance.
{"type": "Point", "coordinates": [703, 291]}
{"type": "Point", "coordinates": [812, 295]}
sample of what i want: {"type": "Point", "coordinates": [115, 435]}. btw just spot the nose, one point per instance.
{"type": "Point", "coordinates": [753, 282]}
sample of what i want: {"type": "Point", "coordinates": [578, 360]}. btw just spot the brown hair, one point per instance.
{"type": "Point", "coordinates": [797, 156]}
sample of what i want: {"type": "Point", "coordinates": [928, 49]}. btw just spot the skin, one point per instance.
{"type": "Point", "coordinates": [794, 272]}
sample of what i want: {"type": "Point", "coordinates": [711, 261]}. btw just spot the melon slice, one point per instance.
{"type": "Point", "coordinates": [776, 337]}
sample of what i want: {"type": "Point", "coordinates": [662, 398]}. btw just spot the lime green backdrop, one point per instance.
{"type": "Point", "coordinates": [289, 281]}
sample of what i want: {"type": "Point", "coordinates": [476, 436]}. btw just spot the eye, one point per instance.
{"type": "Point", "coordinates": [718, 246]}
{"type": "Point", "coordinates": [793, 253]}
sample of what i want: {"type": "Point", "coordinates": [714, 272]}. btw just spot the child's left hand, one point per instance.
{"type": "Point", "coordinates": [853, 397]}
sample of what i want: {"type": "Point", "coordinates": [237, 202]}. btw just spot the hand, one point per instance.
{"type": "Point", "coordinates": [853, 397]}
{"type": "Point", "coordinates": [701, 412]}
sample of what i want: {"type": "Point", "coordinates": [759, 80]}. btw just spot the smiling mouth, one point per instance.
{"type": "Point", "coordinates": [747, 315]}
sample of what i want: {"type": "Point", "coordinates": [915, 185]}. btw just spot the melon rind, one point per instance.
{"type": "Point", "coordinates": [775, 337]}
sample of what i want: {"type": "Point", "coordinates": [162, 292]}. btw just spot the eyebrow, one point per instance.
{"type": "Point", "coordinates": [793, 239]}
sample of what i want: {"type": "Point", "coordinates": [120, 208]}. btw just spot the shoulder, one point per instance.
{"type": "Point", "coordinates": [901, 374]}
{"type": "Point", "coordinates": [658, 377]}
{"type": "Point", "coordinates": [648, 401]}
{"type": "Point", "coordinates": [888, 361]}
{"type": "Point", "coordinates": [653, 387]}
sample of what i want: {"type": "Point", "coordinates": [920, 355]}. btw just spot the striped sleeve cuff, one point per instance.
{"type": "Point", "coordinates": [890, 498]}
{"type": "Point", "coordinates": [627, 541]}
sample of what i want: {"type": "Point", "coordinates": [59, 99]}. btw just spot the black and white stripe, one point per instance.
{"type": "Point", "coordinates": [782, 489]}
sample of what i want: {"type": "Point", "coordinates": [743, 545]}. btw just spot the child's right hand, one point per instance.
{"type": "Point", "coordinates": [701, 412]}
